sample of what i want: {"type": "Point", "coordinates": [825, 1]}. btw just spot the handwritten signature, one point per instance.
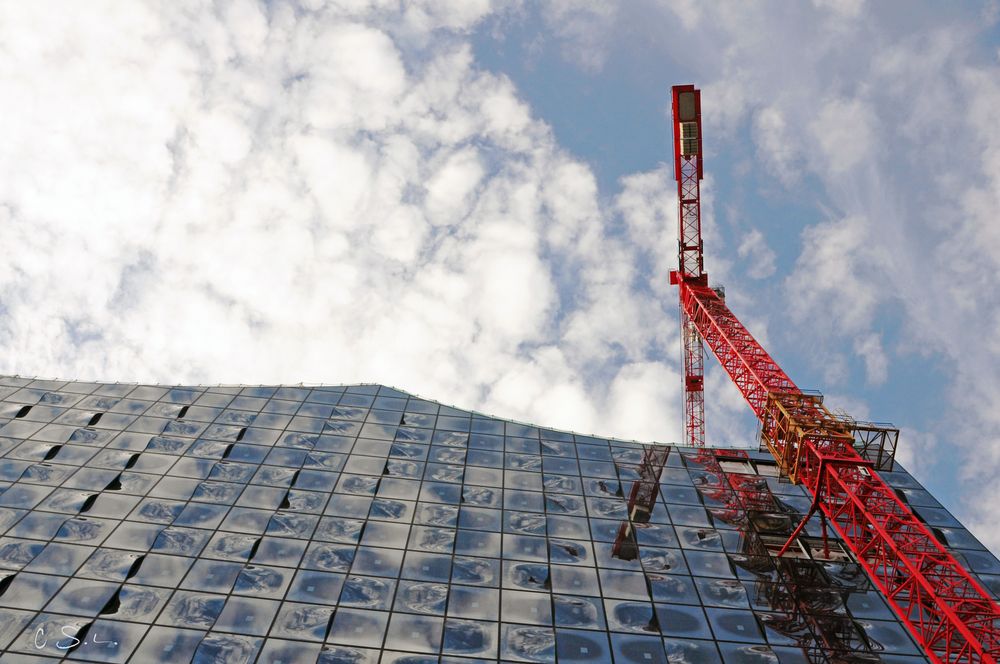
{"type": "Point", "coordinates": [70, 632]}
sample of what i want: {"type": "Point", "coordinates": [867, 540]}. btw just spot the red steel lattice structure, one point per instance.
{"type": "Point", "coordinates": [688, 172]}
{"type": "Point", "coordinates": [948, 612]}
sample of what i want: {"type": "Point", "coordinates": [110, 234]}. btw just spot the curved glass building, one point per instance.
{"type": "Point", "coordinates": [360, 524]}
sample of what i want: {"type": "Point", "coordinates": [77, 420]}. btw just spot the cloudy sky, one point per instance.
{"type": "Point", "coordinates": [470, 200]}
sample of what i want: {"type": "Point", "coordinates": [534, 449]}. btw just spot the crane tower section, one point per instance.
{"type": "Point", "coordinates": [686, 104]}
{"type": "Point", "coordinates": [948, 612]}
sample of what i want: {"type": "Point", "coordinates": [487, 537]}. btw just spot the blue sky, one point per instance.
{"type": "Point", "coordinates": [470, 200]}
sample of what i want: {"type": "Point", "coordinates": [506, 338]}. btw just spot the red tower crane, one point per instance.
{"type": "Point", "coordinates": [948, 612]}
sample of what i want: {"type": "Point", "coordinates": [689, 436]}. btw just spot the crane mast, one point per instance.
{"type": "Point", "coordinates": [686, 106]}
{"type": "Point", "coordinates": [947, 611]}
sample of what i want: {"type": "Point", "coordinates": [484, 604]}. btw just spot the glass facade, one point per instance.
{"type": "Point", "coordinates": [362, 524]}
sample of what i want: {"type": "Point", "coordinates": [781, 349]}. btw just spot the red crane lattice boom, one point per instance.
{"type": "Point", "coordinates": [948, 612]}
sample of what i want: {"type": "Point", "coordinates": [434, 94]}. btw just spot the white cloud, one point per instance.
{"type": "Point", "coordinates": [869, 347]}
{"type": "Point", "coordinates": [846, 8]}
{"type": "Point", "coordinates": [282, 199]}
{"type": "Point", "coordinates": [728, 420]}
{"type": "Point", "coordinates": [845, 134]}
{"type": "Point", "coordinates": [832, 286]}
{"type": "Point", "coordinates": [581, 26]}
{"type": "Point", "coordinates": [754, 248]}
{"type": "Point", "coordinates": [456, 15]}
{"type": "Point", "coordinates": [450, 187]}
{"type": "Point", "coordinates": [688, 11]}
{"type": "Point", "coordinates": [643, 393]}
{"type": "Point", "coordinates": [917, 451]}
{"type": "Point", "coordinates": [353, 78]}
{"type": "Point", "coordinates": [777, 145]}
{"type": "Point", "coordinates": [648, 205]}
{"type": "Point", "coordinates": [569, 195]}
